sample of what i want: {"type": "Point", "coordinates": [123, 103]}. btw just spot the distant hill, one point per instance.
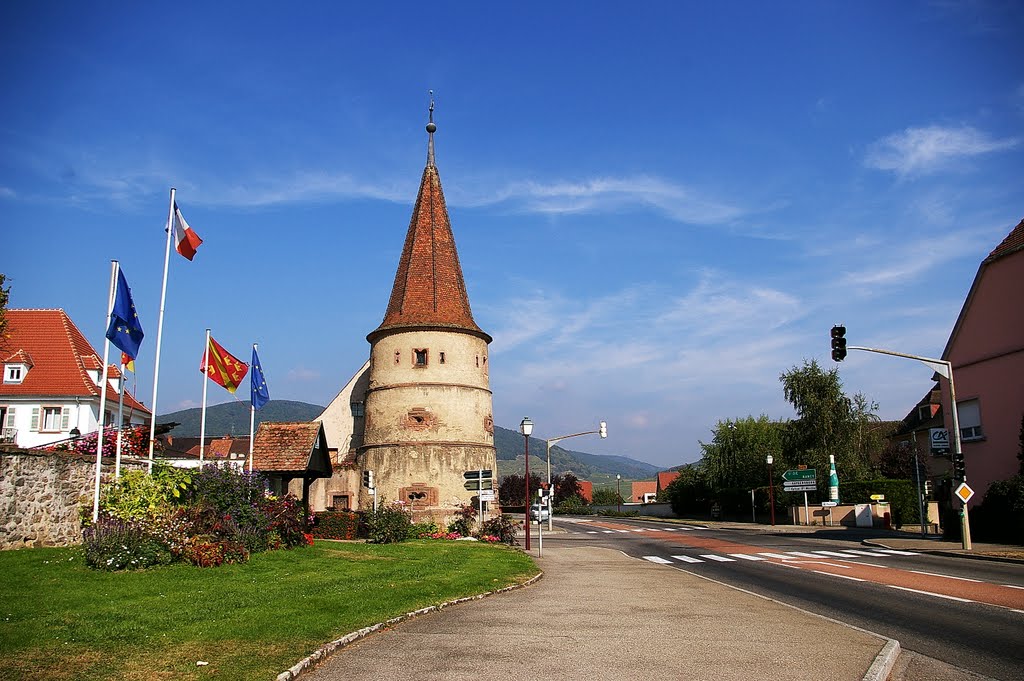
{"type": "Point", "coordinates": [509, 445]}
{"type": "Point", "coordinates": [232, 418]}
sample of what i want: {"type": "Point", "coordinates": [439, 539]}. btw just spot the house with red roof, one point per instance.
{"type": "Point", "coordinates": [986, 350]}
{"type": "Point", "coordinates": [643, 491]}
{"type": "Point", "coordinates": [51, 382]}
{"type": "Point", "coordinates": [664, 479]}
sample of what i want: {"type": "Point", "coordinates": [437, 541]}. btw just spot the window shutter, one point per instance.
{"type": "Point", "coordinates": [65, 416]}
{"type": "Point", "coordinates": [10, 418]}
{"type": "Point", "coordinates": [34, 425]}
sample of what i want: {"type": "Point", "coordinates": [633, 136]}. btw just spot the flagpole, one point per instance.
{"type": "Point", "coordinates": [120, 422]}
{"type": "Point", "coordinates": [103, 393]}
{"type": "Point", "coordinates": [252, 415]}
{"type": "Point", "coordinates": [160, 330]}
{"type": "Point", "coordinates": [202, 419]}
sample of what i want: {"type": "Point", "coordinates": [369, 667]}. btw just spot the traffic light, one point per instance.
{"type": "Point", "coordinates": [959, 472]}
{"type": "Point", "coordinates": [603, 430]}
{"type": "Point", "coordinates": [839, 343]}
{"type": "Point", "coordinates": [927, 489]}
{"type": "Point", "coordinates": [368, 479]}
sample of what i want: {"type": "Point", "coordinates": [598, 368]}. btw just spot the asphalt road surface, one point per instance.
{"type": "Point", "coordinates": [963, 612]}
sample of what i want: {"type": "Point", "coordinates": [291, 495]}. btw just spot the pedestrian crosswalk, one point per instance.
{"type": "Point", "coordinates": [846, 554]}
{"type": "Point", "coordinates": [681, 528]}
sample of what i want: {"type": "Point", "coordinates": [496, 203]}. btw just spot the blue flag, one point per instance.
{"type": "Point", "coordinates": [125, 330]}
{"type": "Point", "coordinates": [258, 384]}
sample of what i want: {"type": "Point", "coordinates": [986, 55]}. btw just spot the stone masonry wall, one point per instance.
{"type": "Point", "coordinates": [40, 494]}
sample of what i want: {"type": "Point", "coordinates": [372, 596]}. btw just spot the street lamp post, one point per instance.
{"type": "Point", "coordinates": [526, 428]}
{"type": "Point", "coordinates": [618, 493]}
{"type": "Point", "coordinates": [771, 489]}
{"type": "Point", "coordinates": [602, 431]}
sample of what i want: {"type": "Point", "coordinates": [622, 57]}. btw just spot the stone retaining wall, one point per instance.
{"type": "Point", "coordinates": [40, 496]}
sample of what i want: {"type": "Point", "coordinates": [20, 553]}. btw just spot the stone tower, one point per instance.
{"type": "Point", "coordinates": [428, 415]}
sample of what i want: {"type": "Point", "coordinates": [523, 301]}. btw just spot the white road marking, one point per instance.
{"type": "Point", "coordinates": [935, 574]}
{"type": "Point", "coordinates": [745, 556]}
{"type": "Point", "coordinates": [837, 554]}
{"type": "Point", "coordinates": [658, 559]}
{"type": "Point", "coordinates": [802, 554]}
{"type": "Point", "coordinates": [608, 531]}
{"type": "Point", "coordinates": [931, 593]}
{"type": "Point", "coordinates": [591, 532]}
{"type": "Point", "coordinates": [896, 552]}
{"type": "Point", "coordinates": [778, 555]}
{"type": "Point", "coordinates": [1013, 586]}
{"type": "Point", "coordinates": [688, 559]}
{"type": "Point", "coordinates": [832, 574]}
{"type": "Point", "coordinates": [720, 559]}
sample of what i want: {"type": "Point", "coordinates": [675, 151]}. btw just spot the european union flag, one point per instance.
{"type": "Point", "coordinates": [258, 384]}
{"type": "Point", "coordinates": [124, 331]}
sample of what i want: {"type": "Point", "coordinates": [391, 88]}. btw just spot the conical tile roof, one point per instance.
{"type": "Point", "coordinates": [429, 290]}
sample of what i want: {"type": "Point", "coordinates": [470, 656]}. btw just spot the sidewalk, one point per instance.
{"type": "Point", "coordinates": [598, 614]}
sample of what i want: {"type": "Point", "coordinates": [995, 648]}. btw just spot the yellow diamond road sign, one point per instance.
{"type": "Point", "coordinates": [964, 492]}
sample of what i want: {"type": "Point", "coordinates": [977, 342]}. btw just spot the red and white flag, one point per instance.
{"type": "Point", "coordinates": [186, 241]}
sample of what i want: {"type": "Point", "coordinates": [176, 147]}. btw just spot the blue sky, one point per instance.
{"type": "Point", "coordinates": [659, 207]}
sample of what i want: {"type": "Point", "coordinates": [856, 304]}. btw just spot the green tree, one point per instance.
{"type": "Point", "coordinates": [736, 458]}
{"type": "Point", "coordinates": [690, 493]}
{"type": "Point", "coordinates": [606, 496]}
{"type": "Point", "coordinates": [828, 423]}
{"type": "Point", "coordinates": [565, 485]}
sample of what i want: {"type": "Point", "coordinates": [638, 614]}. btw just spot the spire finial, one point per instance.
{"type": "Point", "coordinates": [431, 128]}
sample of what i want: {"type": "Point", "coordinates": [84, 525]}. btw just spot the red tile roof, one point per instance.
{"type": "Point", "coordinates": [290, 448]}
{"type": "Point", "coordinates": [429, 289]}
{"type": "Point", "coordinates": [59, 356]}
{"type": "Point", "coordinates": [666, 477]}
{"type": "Point", "coordinates": [1014, 241]}
{"type": "Point", "coordinates": [643, 487]}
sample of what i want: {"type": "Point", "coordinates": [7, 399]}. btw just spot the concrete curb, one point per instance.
{"type": "Point", "coordinates": [325, 651]}
{"type": "Point", "coordinates": [884, 662]}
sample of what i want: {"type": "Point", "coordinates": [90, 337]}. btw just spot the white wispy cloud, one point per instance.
{"type": "Point", "coordinates": [926, 149]}
{"type": "Point", "coordinates": [677, 201]}
{"type": "Point", "coordinates": [896, 266]}
{"type": "Point", "coordinates": [303, 374]}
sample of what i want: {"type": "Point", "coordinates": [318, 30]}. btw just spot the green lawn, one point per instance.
{"type": "Point", "coordinates": [61, 620]}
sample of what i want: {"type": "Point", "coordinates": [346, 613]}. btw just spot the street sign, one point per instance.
{"type": "Point", "coordinates": [476, 475]}
{"type": "Point", "coordinates": [939, 438]}
{"type": "Point", "coordinates": [829, 504]}
{"type": "Point", "coordinates": [794, 475]}
{"type": "Point", "coordinates": [487, 495]}
{"type": "Point", "coordinates": [799, 486]}
{"type": "Point", "coordinates": [964, 492]}
{"type": "Point", "coordinates": [474, 485]}
{"type": "Point", "coordinates": [877, 497]}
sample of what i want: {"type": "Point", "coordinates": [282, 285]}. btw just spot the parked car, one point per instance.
{"type": "Point", "coordinates": [539, 512]}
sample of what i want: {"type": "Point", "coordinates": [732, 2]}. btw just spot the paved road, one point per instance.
{"type": "Point", "coordinates": [961, 612]}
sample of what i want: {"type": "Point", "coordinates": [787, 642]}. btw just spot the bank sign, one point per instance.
{"type": "Point", "coordinates": [939, 438]}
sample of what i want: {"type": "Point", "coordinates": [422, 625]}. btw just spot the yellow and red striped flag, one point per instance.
{"type": "Point", "coordinates": [224, 368]}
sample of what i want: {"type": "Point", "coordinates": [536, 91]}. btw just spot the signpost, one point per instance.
{"type": "Point", "coordinates": [801, 480]}
{"type": "Point", "coordinates": [480, 481]}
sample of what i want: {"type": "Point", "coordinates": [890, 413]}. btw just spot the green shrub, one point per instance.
{"type": "Point", "coordinates": [465, 520]}
{"type": "Point", "coordinates": [204, 551]}
{"type": "Point", "coordinates": [504, 527]}
{"type": "Point", "coordinates": [389, 524]}
{"type": "Point", "coordinates": [1000, 517]}
{"type": "Point", "coordinates": [619, 514]}
{"type": "Point", "coordinates": [337, 525]}
{"type": "Point", "coordinates": [137, 494]}
{"type": "Point", "coordinates": [117, 544]}
{"type": "Point", "coordinates": [422, 530]}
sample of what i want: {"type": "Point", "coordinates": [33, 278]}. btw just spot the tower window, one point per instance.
{"type": "Point", "coordinates": [440, 357]}
{"type": "Point", "coordinates": [398, 356]}
{"type": "Point", "coordinates": [420, 357]}
{"type": "Point", "coordinates": [358, 409]}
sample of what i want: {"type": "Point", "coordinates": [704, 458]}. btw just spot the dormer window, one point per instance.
{"type": "Point", "coordinates": [14, 373]}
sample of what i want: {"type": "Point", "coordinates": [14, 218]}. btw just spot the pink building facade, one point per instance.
{"type": "Point", "coordinates": [986, 350]}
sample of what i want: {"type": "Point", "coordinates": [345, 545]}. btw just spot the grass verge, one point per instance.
{"type": "Point", "coordinates": [60, 620]}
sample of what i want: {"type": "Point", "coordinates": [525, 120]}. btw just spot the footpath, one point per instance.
{"type": "Point", "coordinates": [597, 614]}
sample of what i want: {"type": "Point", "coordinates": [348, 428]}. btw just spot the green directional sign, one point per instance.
{"type": "Point", "coordinates": [794, 475]}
